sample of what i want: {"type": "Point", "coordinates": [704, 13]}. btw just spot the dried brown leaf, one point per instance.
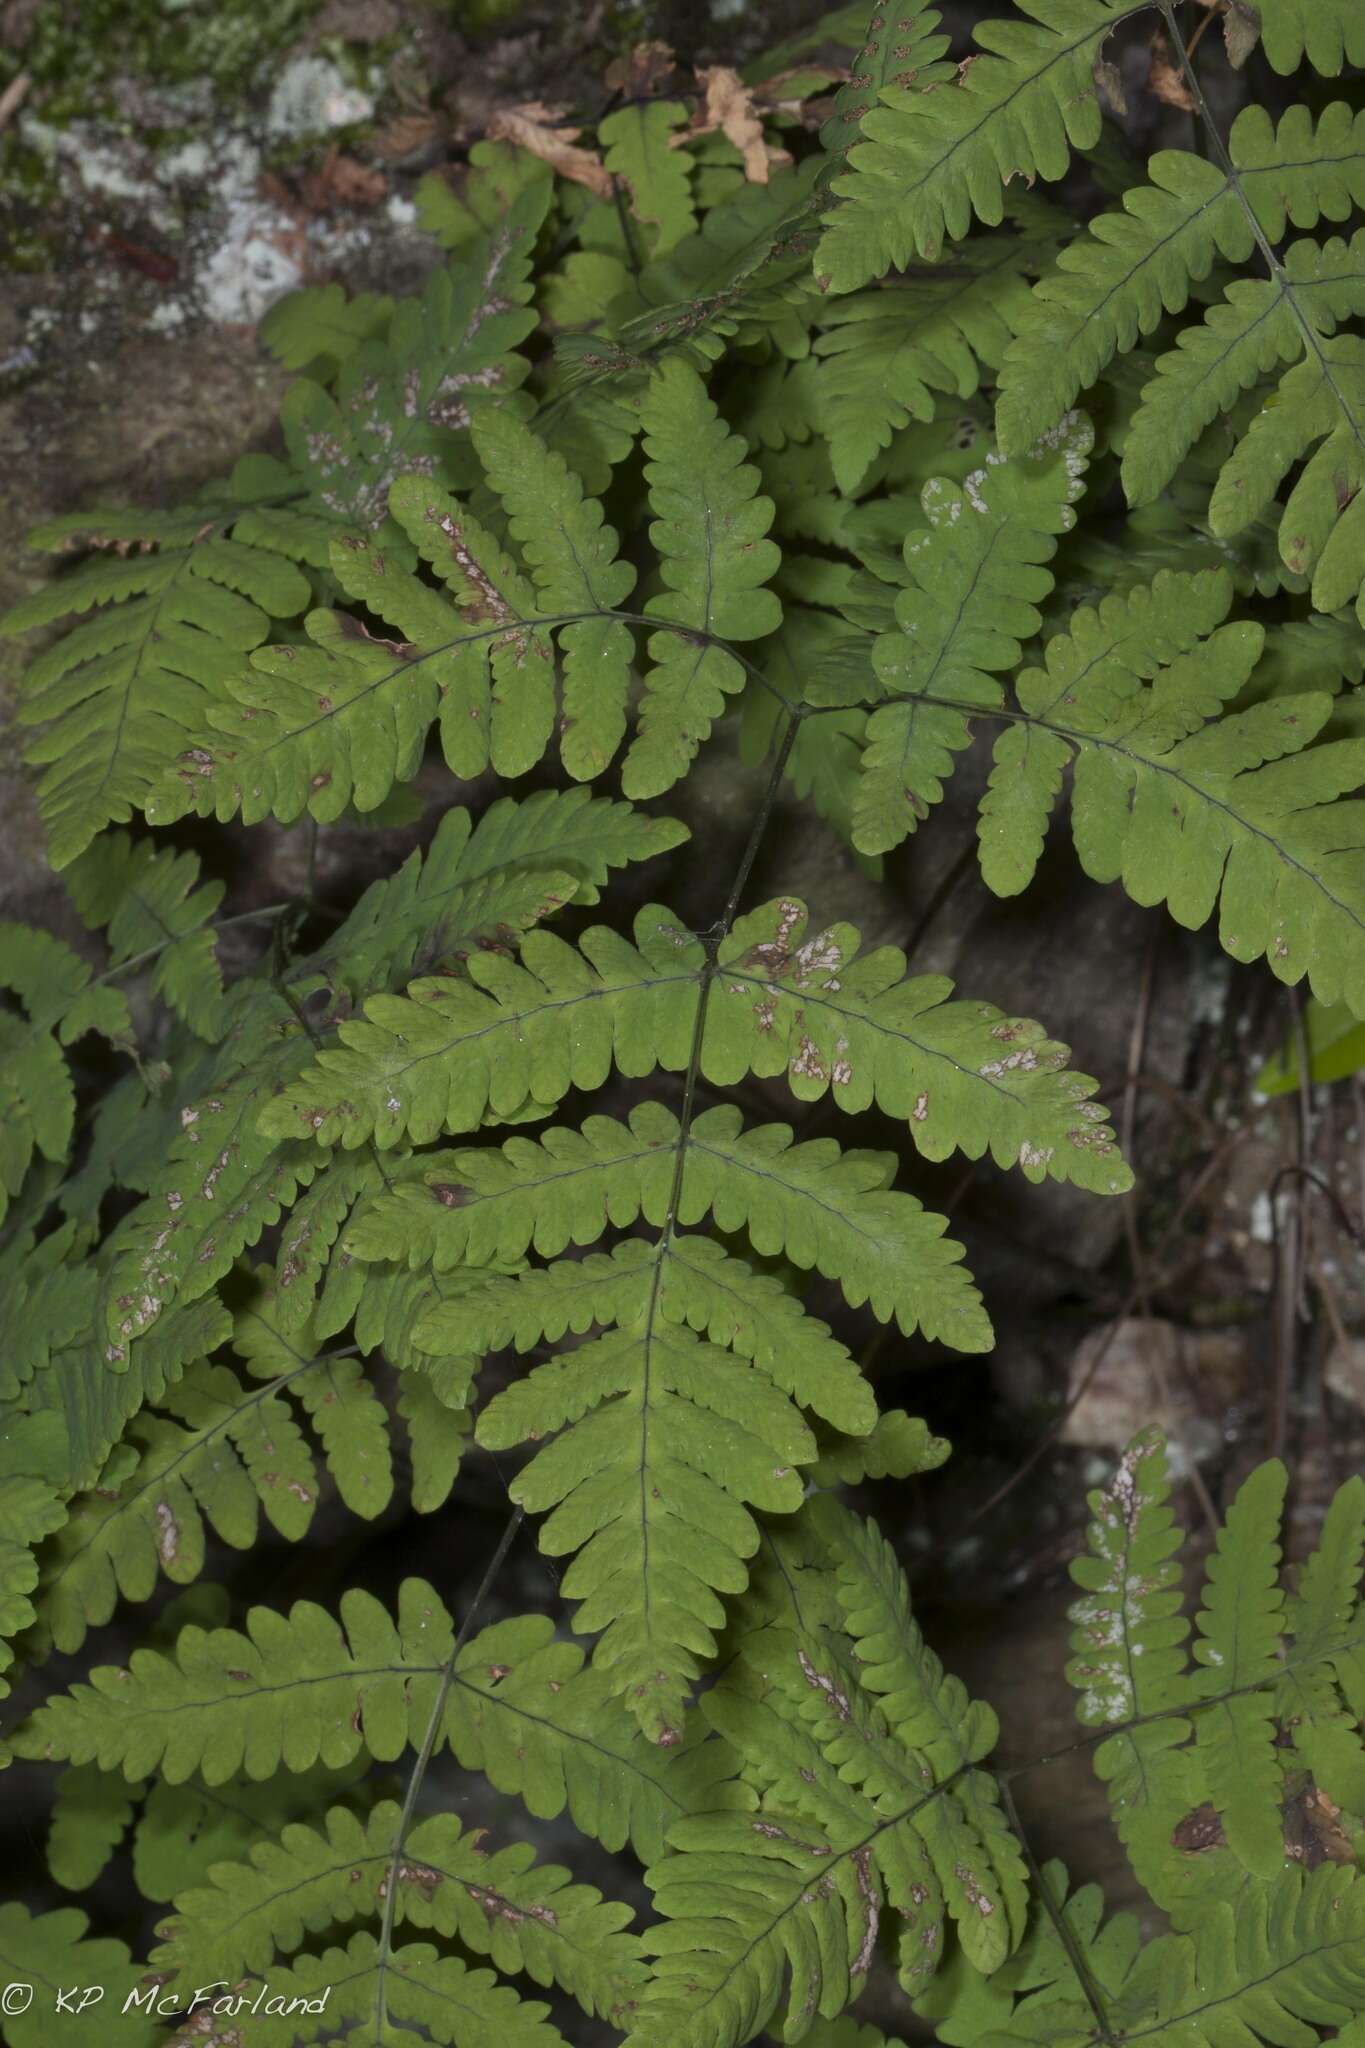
{"type": "Point", "coordinates": [536, 127]}
{"type": "Point", "coordinates": [1241, 31]}
{"type": "Point", "coordinates": [342, 180]}
{"type": "Point", "coordinates": [642, 71]}
{"type": "Point", "coordinates": [729, 107]}
{"type": "Point", "coordinates": [1109, 81]}
{"type": "Point", "coordinates": [1166, 80]}
{"type": "Point", "coordinates": [404, 136]}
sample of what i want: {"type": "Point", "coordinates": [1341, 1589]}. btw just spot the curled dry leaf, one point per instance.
{"type": "Point", "coordinates": [1109, 82]}
{"type": "Point", "coordinates": [1165, 79]}
{"type": "Point", "coordinates": [342, 180]}
{"type": "Point", "coordinates": [405, 136]}
{"type": "Point", "coordinates": [729, 107]}
{"type": "Point", "coordinates": [1241, 31]}
{"type": "Point", "coordinates": [536, 127]}
{"type": "Point", "coordinates": [642, 71]}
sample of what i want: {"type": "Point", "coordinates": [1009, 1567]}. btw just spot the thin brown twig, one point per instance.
{"type": "Point", "coordinates": [13, 97]}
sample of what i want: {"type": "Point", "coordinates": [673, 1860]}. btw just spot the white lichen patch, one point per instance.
{"type": "Point", "coordinates": [310, 97]}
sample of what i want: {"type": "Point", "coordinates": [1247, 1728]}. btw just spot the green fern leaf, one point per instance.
{"type": "Point", "coordinates": [1238, 1646]}
{"type": "Point", "coordinates": [844, 1738]}
{"type": "Point", "coordinates": [302, 1689]}
{"type": "Point", "coordinates": [91, 1813]}
{"type": "Point", "coordinates": [306, 1880]}
{"type": "Point", "coordinates": [51, 1952]}
{"type": "Point", "coordinates": [148, 902]}
{"type": "Point", "coordinates": [572, 558]}
{"type": "Point", "coordinates": [961, 1075]}
{"type": "Point", "coordinates": [708, 530]}
{"type": "Point", "coordinates": [216, 1454]}
{"type": "Point", "coordinates": [1321, 408]}
{"type": "Point", "coordinates": [30, 1508]}
{"type": "Point", "coordinates": [220, 1184]}
{"type": "Point", "coordinates": [883, 355]}
{"type": "Point", "coordinates": [1132, 267]}
{"type": "Point", "coordinates": [974, 582]}
{"type": "Point", "coordinates": [1286, 1954]}
{"type": "Point", "coordinates": [1129, 1664]}
{"type": "Point", "coordinates": [378, 1988]}
{"type": "Point", "coordinates": [184, 1830]}
{"type": "Point", "coordinates": [636, 143]}
{"type": "Point", "coordinates": [1329, 33]}
{"type": "Point", "coordinates": [121, 695]}
{"type": "Point", "coordinates": [37, 1098]}
{"type": "Point", "coordinates": [500, 874]}
{"type": "Point", "coordinates": [296, 1690]}
{"type": "Point", "coordinates": [900, 51]}
{"type": "Point", "coordinates": [96, 1387]}
{"type": "Point", "coordinates": [1322, 1619]}
{"type": "Point", "coordinates": [318, 328]}
{"type": "Point", "coordinates": [703, 1444]}
{"type": "Point", "coordinates": [497, 172]}
{"type": "Point", "coordinates": [818, 1207]}
{"type": "Point", "coordinates": [1178, 803]}
{"type": "Point", "coordinates": [929, 160]}
{"type": "Point", "coordinates": [401, 402]}
{"type": "Point", "coordinates": [1241, 338]}
{"type": "Point", "coordinates": [346, 1413]}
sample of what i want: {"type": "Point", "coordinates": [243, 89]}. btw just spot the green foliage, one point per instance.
{"type": "Point", "coordinates": [319, 1215]}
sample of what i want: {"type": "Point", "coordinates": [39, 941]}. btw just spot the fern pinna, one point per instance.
{"type": "Point", "coordinates": [863, 449]}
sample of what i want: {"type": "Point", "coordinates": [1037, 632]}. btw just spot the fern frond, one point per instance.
{"type": "Point", "coordinates": [400, 402]}
{"type": "Point", "coordinates": [708, 530]}
{"type": "Point", "coordinates": [1319, 420]}
{"type": "Point", "coordinates": [50, 1951]}
{"type": "Point", "coordinates": [31, 1507]}
{"type": "Point", "coordinates": [903, 51]}
{"type": "Point", "coordinates": [1116, 282]}
{"type": "Point", "coordinates": [296, 1690]}
{"type": "Point", "coordinates": [184, 1830]}
{"type": "Point", "coordinates": [91, 1813]}
{"type": "Point", "coordinates": [1329, 33]}
{"type": "Point", "coordinates": [962, 1076]}
{"type": "Point", "coordinates": [96, 1387]}
{"type": "Point", "coordinates": [376, 1988]}
{"type": "Point", "coordinates": [883, 355]}
{"type": "Point", "coordinates": [664, 1449]}
{"type": "Point", "coordinates": [974, 581]}
{"type": "Point", "coordinates": [846, 1739]}
{"type": "Point", "coordinates": [1284, 1959]}
{"type": "Point", "coordinates": [177, 605]}
{"type": "Point", "coordinates": [306, 1881]}
{"type": "Point", "coordinates": [1180, 801]}
{"type": "Point", "coordinates": [317, 328]}
{"type": "Point", "coordinates": [151, 903]}
{"type": "Point", "coordinates": [929, 160]}
{"type": "Point", "coordinates": [37, 1097]}
{"type": "Point", "coordinates": [497, 172]}
{"type": "Point", "coordinates": [305, 1689]}
{"type": "Point", "coordinates": [1241, 338]}
{"type": "Point", "coordinates": [819, 1207]}
{"type": "Point", "coordinates": [1238, 1646]}
{"type": "Point", "coordinates": [1129, 1663]}
{"type": "Point", "coordinates": [636, 148]}
{"type": "Point", "coordinates": [220, 1184]}
{"type": "Point", "coordinates": [573, 561]}
{"type": "Point", "coordinates": [1323, 1620]}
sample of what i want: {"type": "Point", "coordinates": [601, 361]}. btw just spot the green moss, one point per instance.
{"type": "Point", "coordinates": [74, 55]}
